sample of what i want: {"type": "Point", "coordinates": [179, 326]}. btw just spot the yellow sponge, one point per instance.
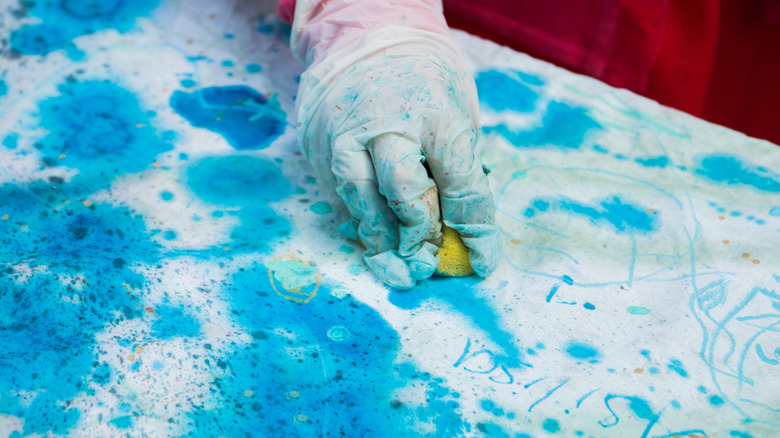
{"type": "Point", "coordinates": [453, 255]}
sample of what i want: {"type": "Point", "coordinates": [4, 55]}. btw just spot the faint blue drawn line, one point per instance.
{"type": "Point", "coordinates": [582, 399]}
{"type": "Point", "coordinates": [535, 382]}
{"type": "Point", "coordinates": [549, 393]}
{"type": "Point", "coordinates": [552, 292]}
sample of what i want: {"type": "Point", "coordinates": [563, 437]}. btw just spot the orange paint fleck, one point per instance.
{"type": "Point", "coordinates": [650, 211]}
{"type": "Point", "coordinates": [639, 371]}
{"type": "Point", "coordinates": [723, 218]}
{"type": "Point", "coordinates": [149, 310]}
{"type": "Point", "coordinates": [87, 204]}
{"type": "Point", "coordinates": [726, 242]}
{"type": "Point", "coordinates": [756, 261]}
{"type": "Point", "coordinates": [4, 217]}
{"type": "Point", "coordinates": [745, 255]}
{"type": "Point", "coordinates": [63, 156]}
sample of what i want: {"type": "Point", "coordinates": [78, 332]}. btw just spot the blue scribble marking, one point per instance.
{"type": "Point", "coordinates": [244, 184]}
{"type": "Point", "coordinates": [68, 19]}
{"type": "Point", "coordinates": [731, 169]}
{"type": "Point", "coordinates": [638, 406]}
{"type": "Point", "coordinates": [581, 350]}
{"type": "Point", "coordinates": [246, 118]}
{"type": "Point", "coordinates": [563, 126]}
{"type": "Point", "coordinates": [620, 216]}
{"type": "Point", "coordinates": [659, 162]}
{"type": "Point", "coordinates": [552, 293]}
{"type": "Point", "coordinates": [764, 358]}
{"type": "Point", "coordinates": [677, 366]}
{"type": "Point", "coordinates": [100, 129]}
{"type": "Point", "coordinates": [500, 91]}
{"type": "Point", "coordinates": [549, 393]}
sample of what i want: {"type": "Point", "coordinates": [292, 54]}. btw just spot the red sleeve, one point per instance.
{"type": "Point", "coordinates": [286, 10]}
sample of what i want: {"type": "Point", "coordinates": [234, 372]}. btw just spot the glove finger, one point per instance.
{"type": "Point", "coordinates": [413, 197]}
{"type": "Point", "coordinates": [466, 202]}
{"type": "Point", "coordinates": [377, 224]}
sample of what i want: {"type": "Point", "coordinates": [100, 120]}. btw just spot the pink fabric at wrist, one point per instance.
{"type": "Point", "coordinates": [286, 10]}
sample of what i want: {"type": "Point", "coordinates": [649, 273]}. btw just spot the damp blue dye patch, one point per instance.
{"type": "Point", "coordinates": [245, 184]}
{"type": "Point", "coordinates": [581, 351]}
{"type": "Point", "coordinates": [500, 92]}
{"type": "Point", "coordinates": [458, 294]}
{"type": "Point", "coordinates": [253, 68]}
{"type": "Point", "coordinates": [166, 195]}
{"type": "Point", "coordinates": [3, 88]}
{"type": "Point", "coordinates": [716, 400]}
{"type": "Point", "coordinates": [50, 317]}
{"type": "Point", "coordinates": [173, 321]}
{"type": "Point", "coordinates": [677, 366]}
{"type": "Point", "coordinates": [11, 140]}
{"type": "Point", "coordinates": [563, 126]}
{"type": "Point", "coordinates": [589, 306]}
{"type": "Point", "coordinates": [659, 162]}
{"type": "Point", "coordinates": [291, 350]}
{"type": "Point", "coordinates": [246, 118]}
{"type": "Point", "coordinates": [614, 213]}
{"type": "Point", "coordinates": [188, 83]}
{"type": "Point", "coordinates": [100, 129]}
{"type": "Point", "coordinates": [63, 21]}
{"type": "Point", "coordinates": [740, 434]}
{"type": "Point", "coordinates": [551, 425]}
{"type": "Point", "coordinates": [775, 211]}
{"type": "Point", "coordinates": [733, 170]}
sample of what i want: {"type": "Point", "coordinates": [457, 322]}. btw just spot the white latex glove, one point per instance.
{"type": "Point", "coordinates": [386, 89]}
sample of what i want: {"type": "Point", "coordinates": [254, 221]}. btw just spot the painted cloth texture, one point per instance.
{"type": "Point", "coordinates": [170, 265]}
{"type": "Point", "coordinates": [377, 104]}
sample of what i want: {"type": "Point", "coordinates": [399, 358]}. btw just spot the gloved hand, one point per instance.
{"type": "Point", "coordinates": [386, 93]}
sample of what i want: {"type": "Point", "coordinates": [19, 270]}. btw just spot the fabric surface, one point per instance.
{"type": "Point", "coordinates": [169, 265]}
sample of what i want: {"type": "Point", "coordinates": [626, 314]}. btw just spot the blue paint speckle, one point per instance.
{"type": "Point", "coordinates": [188, 83]}
{"type": "Point", "coordinates": [775, 211]}
{"type": "Point", "coordinates": [3, 88]}
{"type": "Point", "coordinates": [253, 68]}
{"type": "Point", "coordinates": [620, 216]}
{"type": "Point", "coordinates": [227, 63]}
{"type": "Point", "coordinates": [589, 306]}
{"type": "Point", "coordinates": [63, 21]}
{"type": "Point", "coordinates": [11, 140]}
{"type": "Point", "coordinates": [659, 162]}
{"type": "Point", "coordinates": [100, 129]}
{"type": "Point", "coordinates": [730, 169]}
{"type": "Point", "coordinates": [500, 92]}
{"type": "Point", "coordinates": [170, 235]}
{"type": "Point", "coordinates": [173, 321]}
{"type": "Point", "coordinates": [551, 425]}
{"type": "Point", "coordinates": [740, 434]}
{"type": "Point", "coordinates": [581, 350]}
{"type": "Point", "coordinates": [166, 195]}
{"type": "Point", "coordinates": [716, 400]}
{"type": "Point", "coordinates": [677, 366]}
{"type": "Point", "coordinates": [563, 126]}
{"type": "Point", "coordinates": [246, 118]}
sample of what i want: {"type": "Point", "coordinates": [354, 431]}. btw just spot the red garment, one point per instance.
{"type": "Point", "coordinates": [719, 60]}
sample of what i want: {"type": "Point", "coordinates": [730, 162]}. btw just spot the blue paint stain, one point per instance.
{"type": "Point", "coordinates": [246, 118]}
{"type": "Point", "coordinates": [253, 68]}
{"type": "Point", "coordinates": [166, 195]}
{"type": "Point", "coordinates": [170, 235]}
{"type": "Point", "coordinates": [173, 321]}
{"type": "Point", "coordinates": [188, 83]}
{"type": "Point", "coordinates": [731, 169]}
{"type": "Point", "coordinates": [458, 293]}
{"type": "Point", "coordinates": [100, 129]}
{"type": "Point", "coordinates": [654, 370]}
{"type": "Point", "coordinates": [716, 400]}
{"type": "Point", "coordinates": [568, 280]}
{"type": "Point", "coordinates": [85, 251]}
{"type": "Point", "coordinates": [500, 92]}
{"type": "Point", "coordinates": [489, 406]}
{"type": "Point", "coordinates": [581, 350]}
{"type": "Point", "coordinates": [248, 183]}
{"type": "Point", "coordinates": [589, 306]}
{"type": "Point", "coordinates": [740, 434]}
{"type": "Point", "coordinates": [775, 211]}
{"type": "Point", "coordinates": [3, 88]}
{"type": "Point", "coordinates": [357, 378]}
{"type": "Point", "coordinates": [11, 140]}
{"type": "Point", "coordinates": [659, 162]}
{"type": "Point", "coordinates": [563, 125]}
{"type": "Point", "coordinates": [600, 149]}
{"type": "Point", "coordinates": [646, 354]}
{"type": "Point", "coordinates": [227, 63]}
{"type": "Point", "coordinates": [63, 21]}
{"type": "Point", "coordinates": [677, 366]}
{"type": "Point", "coordinates": [701, 389]}
{"type": "Point", "coordinates": [551, 425]}
{"type": "Point", "coordinates": [620, 216]}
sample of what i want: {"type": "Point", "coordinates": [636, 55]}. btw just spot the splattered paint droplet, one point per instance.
{"type": "Point", "coordinates": [745, 255]}
{"type": "Point", "coordinates": [638, 310]}
{"type": "Point", "coordinates": [321, 207]}
{"type": "Point", "coordinates": [338, 333]}
{"type": "Point", "coordinates": [726, 242]}
{"type": "Point", "coordinates": [756, 261]}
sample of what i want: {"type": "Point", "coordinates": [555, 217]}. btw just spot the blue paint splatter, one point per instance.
{"type": "Point", "coordinates": [677, 366]}
{"type": "Point", "coordinates": [247, 183]}
{"type": "Point", "coordinates": [253, 68]}
{"type": "Point", "coordinates": [563, 125]}
{"type": "Point", "coordinates": [740, 434]}
{"type": "Point", "coordinates": [489, 406]}
{"type": "Point", "coordinates": [581, 350]}
{"type": "Point", "coordinates": [459, 294]}
{"type": "Point", "coordinates": [622, 217]}
{"type": "Point", "coordinates": [188, 83]}
{"type": "Point", "coordinates": [551, 425]}
{"type": "Point", "coordinates": [84, 250]}
{"type": "Point", "coordinates": [227, 63]}
{"type": "Point", "coordinates": [501, 92]}
{"type": "Point", "coordinates": [100, 129]}
{"type": "Point", "coordinates": [3, 88]}
{"type": "Point", "coordinates": [730, 169]}
{"type": "Point", "coordinates": [68, 19]}
{"type": "Point", "coordinates": [246, 118]}
{"type": "Point", "coordinates": [173, 321]}
{"type": "Point", "coordinates": [716, 400]}
{"type": "Point", "coordinates": [357, 378]}
{"type": "Point", "coordinates": [659, 162]}
{"type": "Point", "coordinates": [775, 211]}
{"type": "Point", "coordinates": [166, 195]}
{"type": "Point", "coordinates": [11, 140]}
{"type": "Point", "coordinates": [589, 306]}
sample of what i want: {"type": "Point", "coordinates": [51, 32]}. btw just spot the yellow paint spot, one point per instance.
{"type": "Point", "coordinates": [515, 241]}
{"type": "Point", "coordinates": [139, 125]}
{"type": "Point", "coordinates": [249, 393]}
{"type": "Point", "coordinates": [4, 217]}
{"type": "Point", "coordinates": [292, 395]}
{"type": "Point", "coordinates": [218, 119]}
{"type": "Point", "coordinates": [745, 255]}
{"type": "Point", "coordinates": [726, 242]}
{"type": "Point", "coordinates": [156, 164]}
{"type": "Point", "coordinates": [139, 349]}
{"type": "Point", "coordinates": [639, 371]}
{"type": "Point", "coordinates": [227, 248]}
{"type": "Point", "coordinates": [650, 211]}
{"type": "Point", "coordinates": [63, 156]}
{"type": "Point", "coordinates": [301, 418]}
{"type": "Point", "coordinates": [723, 218]}
{"type": "Point", "coordinates": [756, 261]}
{"type": "Point", "coordinates": [131, 357]}
{"type": "Point", "coordinates": [87, 204]}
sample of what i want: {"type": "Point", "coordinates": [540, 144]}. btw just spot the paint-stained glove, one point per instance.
{"type": "Point", "coordinates": [387, 91]}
